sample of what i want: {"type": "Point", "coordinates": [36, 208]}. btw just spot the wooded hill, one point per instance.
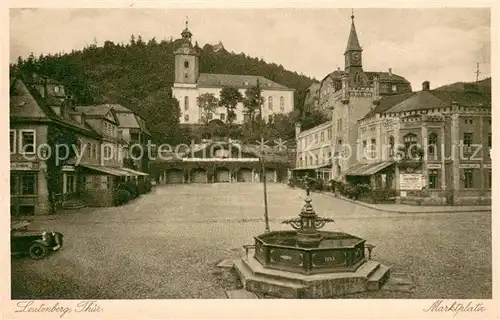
{"type": "Point", "coordinates": [139, 75]}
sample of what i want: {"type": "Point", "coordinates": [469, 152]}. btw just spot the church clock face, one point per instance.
{"type": "Point", "coordinates": [355, 56]}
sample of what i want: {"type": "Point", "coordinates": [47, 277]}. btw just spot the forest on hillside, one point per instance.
{"type": "Point", "coordinates": [139, 75]}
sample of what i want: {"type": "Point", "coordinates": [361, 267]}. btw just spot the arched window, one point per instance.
{"type": "Point", "coordinates": [186, 103]}
{"type": "Point", "coordinates": [282, 104]}
{"type": "Point", "coordinates": [270, 102]}
{"type": "Point", "coordinates": [432, 143]}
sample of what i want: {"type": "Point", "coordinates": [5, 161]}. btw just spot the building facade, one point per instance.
{"type": "Point", "coordinates": [452, 130]}
{"type": "Point", "coordinates": [41, 111]}
{"type": "Point", "coordinates": [347, 96]}
{"type": "Point", "coordinates": [190, 84]}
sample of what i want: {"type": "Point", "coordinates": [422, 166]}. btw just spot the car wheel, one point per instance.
{"type": "Point", "coordinates": [37, 251]}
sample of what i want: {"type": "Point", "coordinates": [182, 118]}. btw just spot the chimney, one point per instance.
{"type": "Point", "coordinates": [426, 86]}
{"type": "Point", "coordinates": [390, 72]}
{"type": "Point", "coordinates": [297, 129]}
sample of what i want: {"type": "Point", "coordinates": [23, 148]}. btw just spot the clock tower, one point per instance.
{"type": "Point", "coordinates": [186, 60]}
{"type": "Point", "coordinates": [353, 57]}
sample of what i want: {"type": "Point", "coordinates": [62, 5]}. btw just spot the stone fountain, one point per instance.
{"type": "Point", "coordinates": [309, 263]}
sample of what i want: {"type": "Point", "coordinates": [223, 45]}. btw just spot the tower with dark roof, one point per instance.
{"type": "Point", "coordinates": [186, 60]}
{"type": "Point", "coordinates": [353, 58]}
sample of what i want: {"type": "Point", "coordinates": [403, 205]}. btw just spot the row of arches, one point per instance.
{"type": "Point", "coordinates": [219, 175]}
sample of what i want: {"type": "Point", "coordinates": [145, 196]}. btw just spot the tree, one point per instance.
{"type": "Point", "coordinates": [64, 142]}
{"type": "Point", "coordinates": [253, 102]}
{"type": "Point", "coordinates": [229, 98]}
{"type": "Point", "coordinates": [208, 105]}
{"type": "Point", "coordinates": [312, 119]}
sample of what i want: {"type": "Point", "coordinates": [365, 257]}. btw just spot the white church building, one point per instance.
{"type": "Point", "coordinates": [190, 83]}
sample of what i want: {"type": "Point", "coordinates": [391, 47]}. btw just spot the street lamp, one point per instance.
{"type": "Point", "coordinates": [263, 177]}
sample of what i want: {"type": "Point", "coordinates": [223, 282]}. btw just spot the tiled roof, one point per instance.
{"type": "Point", "coordinates": [127, 120]}
{"type": "Point", "coordinates": [382, 76]}
{"type": "Point", "coordinates": [119, 107]}
{"type": "Point", "coordinates": [387, 102]}
{"type": "Point", "coordinates": [385, 76]}
{"type": "Point", "coordinates": [237, 81]}
{"type": "Point", "coordinates": [418, 101]}
{"type": "Point", "coordinates": [99, 110]}
{"type": "Point", "coordinates": [23, 104]}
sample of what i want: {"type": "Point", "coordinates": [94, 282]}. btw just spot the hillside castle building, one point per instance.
{"type": "Point", "coordinates": [189, 84]}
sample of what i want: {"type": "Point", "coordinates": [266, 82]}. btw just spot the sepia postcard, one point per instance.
{"type": "Point", "coordinates": [250, 160]}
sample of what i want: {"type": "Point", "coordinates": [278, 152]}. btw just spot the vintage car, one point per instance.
{"type": "Point", "coordinates": [37, 244]}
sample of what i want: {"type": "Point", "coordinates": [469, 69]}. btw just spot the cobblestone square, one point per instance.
{"type": "Point", "coordinates": [167, 244]}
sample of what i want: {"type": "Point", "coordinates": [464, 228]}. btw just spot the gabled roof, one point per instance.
{"type": "Point", "coordinates": [237, 81]}
{"type": "Point", "coordinates": [99, 111]}
{"type": "Point", "coordinates": [27, 104]}
{"type": "Point", "coordinates": [23, 104]}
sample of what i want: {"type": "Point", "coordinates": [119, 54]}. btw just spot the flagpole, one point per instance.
{"type": "Point", "coordinates": [263, 177]}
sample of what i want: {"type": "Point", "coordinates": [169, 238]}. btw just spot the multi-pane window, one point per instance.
{"type": "Point", "coordinates": [209, 116]}
{"type": "Point", "coordinates": [468, 179]}
{"type": "Point", "coordinates": [364, 148]}
{"type": "Point", "coordinates": [468, 142]}
{"type": "Point", "coordinates": [270, 103]}
{"type": "Point", "coordinates": [186, 103]}
{"type": "Point", "coordinates": [373, 150]}
{"type": "Point", "coordinates": [27, 141]}
{"type": "Point", "coordinates": [186, 64]}
{"type": "Point", "coordinates": [28, 184]}
{"type": "Point", "coordinates": [222, 116]}
{"type": "Point", "coordinates": [433, 179]}
{"type": "Point", "coordinates": [12, 141]}
{"type": "Point", "coordinates": [409, 140]}
{"type": "Point", "coordinates": [315, 138]}
{"type": "Point", "coordinates": [432, 143]}
{"type": "Point", "coordinates": [282, 104]}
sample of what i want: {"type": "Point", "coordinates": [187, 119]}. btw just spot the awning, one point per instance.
{"type": "Point", "coordinates": [314, 168]}
{"type": "Point", "coordinates": [134, 172]}
{"type": "Point", "coordinates": [108, 170]}
{"type": "Point", "coordinates": [368, 169]}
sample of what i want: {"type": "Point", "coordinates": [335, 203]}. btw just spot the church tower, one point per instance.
{"type": "Point", "coordinates": [353, 58]}
{"type": "Point", "coordinates": [186, 60]}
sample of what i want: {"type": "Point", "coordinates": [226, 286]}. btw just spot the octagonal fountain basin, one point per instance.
{"type": "Point", "coordinates": [332, 252]}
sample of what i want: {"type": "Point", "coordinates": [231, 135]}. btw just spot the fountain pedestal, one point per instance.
{"type": "Point", "coordinates": [309, 263]}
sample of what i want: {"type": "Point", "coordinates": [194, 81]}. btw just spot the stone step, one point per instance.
{"type": "Point", "coordinates": [241, 294]}
{"type": "Point", "coordinates": [378, 278]}
{"type": "Point", "coordinates": [266, 285]}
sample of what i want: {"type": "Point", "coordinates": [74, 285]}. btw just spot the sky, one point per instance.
{"type": "Point", "coordinates": [438, 45]}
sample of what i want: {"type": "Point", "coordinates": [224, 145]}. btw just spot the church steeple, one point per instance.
{"type": "Point", "coordinates": [186, 34]}
{"type": "Point", "coordinates": [353, 42]}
